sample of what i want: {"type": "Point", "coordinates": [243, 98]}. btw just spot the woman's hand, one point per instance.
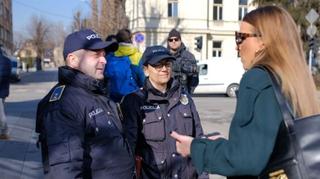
{"type": "Point", "coordinates": [183, 143]}
{"type": "Point", "coordinates": [215, 137]}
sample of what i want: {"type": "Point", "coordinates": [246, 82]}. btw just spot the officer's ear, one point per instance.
{"type": "Point", "coordinates": [145, 70]}
{"type": "Point", "coordinates": [73, 59]}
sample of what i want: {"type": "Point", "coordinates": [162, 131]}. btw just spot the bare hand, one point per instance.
{"type": "Point", "coordinates": [215, 137]}
{"type": "Point", "coordinates": [183, 143]}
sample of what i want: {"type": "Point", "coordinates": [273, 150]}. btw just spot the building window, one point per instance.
{"type": "Point", "coordinates": [243, 8]}
{"type": "Point", "coordinates": [216, 49]}
{"type": "Point", "coordinates": [217, 10]}
{"type": "Point", "coordinates": [172, 8]}
{"type": "Point", "coordinates": [6, 14]}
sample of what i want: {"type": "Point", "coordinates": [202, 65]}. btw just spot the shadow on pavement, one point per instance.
{"type": "Point", "coordinates": [25, 109]}
{"type": "Point", "coordinates": [13, 150]}
{"type": "Point", "coordinates": [46, 76]}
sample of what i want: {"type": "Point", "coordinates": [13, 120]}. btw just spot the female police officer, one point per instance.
{"type": "Point", "coordinates": [152, 112]}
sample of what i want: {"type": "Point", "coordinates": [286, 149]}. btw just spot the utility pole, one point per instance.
{"type": "Point", "coordinates": [311, 17]}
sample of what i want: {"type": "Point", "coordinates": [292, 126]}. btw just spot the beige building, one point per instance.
{"type": "Point", "coordinates": [213, 20]}
{"type": "Point", "coordinates": [6, 35]}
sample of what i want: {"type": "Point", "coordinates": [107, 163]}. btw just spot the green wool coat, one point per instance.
{"type": "Point", "coordinates": [252, 132]}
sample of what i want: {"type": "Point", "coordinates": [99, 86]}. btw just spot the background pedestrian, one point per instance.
{"type": "Point", "coordinates": [5, 72]}
{"type": "Point", "coordinates": [123, 72]}
{"type": "Point", "coordinates": [185, 67]}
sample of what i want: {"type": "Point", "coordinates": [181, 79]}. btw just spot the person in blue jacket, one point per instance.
{"type": "Point", "coordinates": [5, 72]}
{"type": "Point", "coordinates": [123, 72]}
{"type": "Point", "coordinates": [80, 129]}
{"type": "Point", "coordinates": [268, 37]}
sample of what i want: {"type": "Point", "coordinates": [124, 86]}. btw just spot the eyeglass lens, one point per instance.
{"type": "Point", "coordinates": [159, 66]}
{"type": "Point", "coordinates": [173, 39]}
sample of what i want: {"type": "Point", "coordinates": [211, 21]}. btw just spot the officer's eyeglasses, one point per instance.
{"type": "Point", "coordinates": [159, 66]}
{"type": "Point", "coordinates": [240, 36]}
{"type": "Point", "coordinates": [173, 39]}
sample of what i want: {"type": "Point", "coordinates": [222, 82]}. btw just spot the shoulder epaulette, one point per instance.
{"type": "Point", "coordinates": [57, 93]}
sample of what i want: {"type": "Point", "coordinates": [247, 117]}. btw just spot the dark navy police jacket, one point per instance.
{"type": "Point", "coordinates": [149, 116]}
{"type": "Point", "coordinates": [80, 131]}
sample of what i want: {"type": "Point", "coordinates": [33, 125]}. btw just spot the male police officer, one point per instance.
{"type": "Point", "coordinates": [185, 67]}
{"type": "Point", "coordinates": [80, 130]}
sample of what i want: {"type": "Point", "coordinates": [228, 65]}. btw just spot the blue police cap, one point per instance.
{"type": "Point", "coordinates": [154, 54]}
{"type": "Point", "coordinates": [86, 39]}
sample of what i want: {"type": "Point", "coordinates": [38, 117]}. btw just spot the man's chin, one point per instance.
{"type": "Point", "coordinates": [99, 77]}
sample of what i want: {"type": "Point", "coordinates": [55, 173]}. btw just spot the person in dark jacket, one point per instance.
{"type": "Point", "coordinates": [80, 129]}
{"type": "Point", "coordinates": [151, 113]}
{"type": "Point", "coordinates": [258, 116]}
{"type": "Point", "coordinates": [5, 72]}
{"type": "Point", "coordinates": [185, 66]}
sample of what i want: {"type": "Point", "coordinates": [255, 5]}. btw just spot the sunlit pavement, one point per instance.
{"type": "Point", "coordinates": [19, 156]}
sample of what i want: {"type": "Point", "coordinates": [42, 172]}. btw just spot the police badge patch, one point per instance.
{"type": "Point", "coordinates": [57, 93]}
{"type": "Point", "coordinates": [184, 99]}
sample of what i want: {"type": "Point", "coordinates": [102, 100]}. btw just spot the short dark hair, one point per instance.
{"type": "Point", "coordinates": [174, 33]}
{"type": "Point", "coordinates": [111, 37]}
{"type": "Point", "coordinates": [124, 35]}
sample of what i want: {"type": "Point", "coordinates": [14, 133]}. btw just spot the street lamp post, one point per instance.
{"type": "Point", "coordinates": [311, 17]}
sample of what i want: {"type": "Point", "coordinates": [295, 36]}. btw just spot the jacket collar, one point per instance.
{"type": "Point", "coordinates": [70, 76]}
{"type": "Point", "coordinates": [179, 50]}
{"type": "Point", "coordinates": [126, 49]}
{"type": "Point", "coordinates": [154, 95]}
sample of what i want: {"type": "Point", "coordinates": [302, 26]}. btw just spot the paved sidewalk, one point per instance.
{"type": "Point", "coordinates": [19, 156]}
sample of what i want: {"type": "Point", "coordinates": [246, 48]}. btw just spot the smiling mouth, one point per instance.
{"type": "Point", "coordinates": [100, 68]}
{"type": "Point", "coordinates": [165, 76]}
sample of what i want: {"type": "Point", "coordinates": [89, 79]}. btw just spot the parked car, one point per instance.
{"type": "Point", "coordinates": [219, 76]}
{"type": "Point", "coordinates": [15, 70]}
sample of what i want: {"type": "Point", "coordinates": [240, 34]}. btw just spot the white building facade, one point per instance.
{"type": "Point", "coordinates": [213, 20]}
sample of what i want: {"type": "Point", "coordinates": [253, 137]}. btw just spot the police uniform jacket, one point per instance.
{"type": "Point", "coordinates": [252, 133]}
{"type": "Point", "coordinates": [149, 116]}
{"type": "Point", "coordinates": [80, 131]}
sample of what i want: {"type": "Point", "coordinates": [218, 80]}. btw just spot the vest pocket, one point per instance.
{"type": "Point", "coordinates": [59, 153]}
{"type": "Point", "coordinates": [153, 127]}
{"type": "Point", "coordinates": [186, 114]}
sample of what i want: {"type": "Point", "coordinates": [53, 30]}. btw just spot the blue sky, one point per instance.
{"type": "Point", "coordinates": [51, 10]}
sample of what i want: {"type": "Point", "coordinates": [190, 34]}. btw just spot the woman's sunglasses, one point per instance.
{"type": "Point", "coordinates": [240, 36]}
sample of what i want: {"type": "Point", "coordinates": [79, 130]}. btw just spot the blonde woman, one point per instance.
{"type": "Point", "coordinates": [268, 36]}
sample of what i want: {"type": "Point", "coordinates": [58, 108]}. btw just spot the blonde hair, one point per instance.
{"type": "Point", "coordinates": [283, 55]}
